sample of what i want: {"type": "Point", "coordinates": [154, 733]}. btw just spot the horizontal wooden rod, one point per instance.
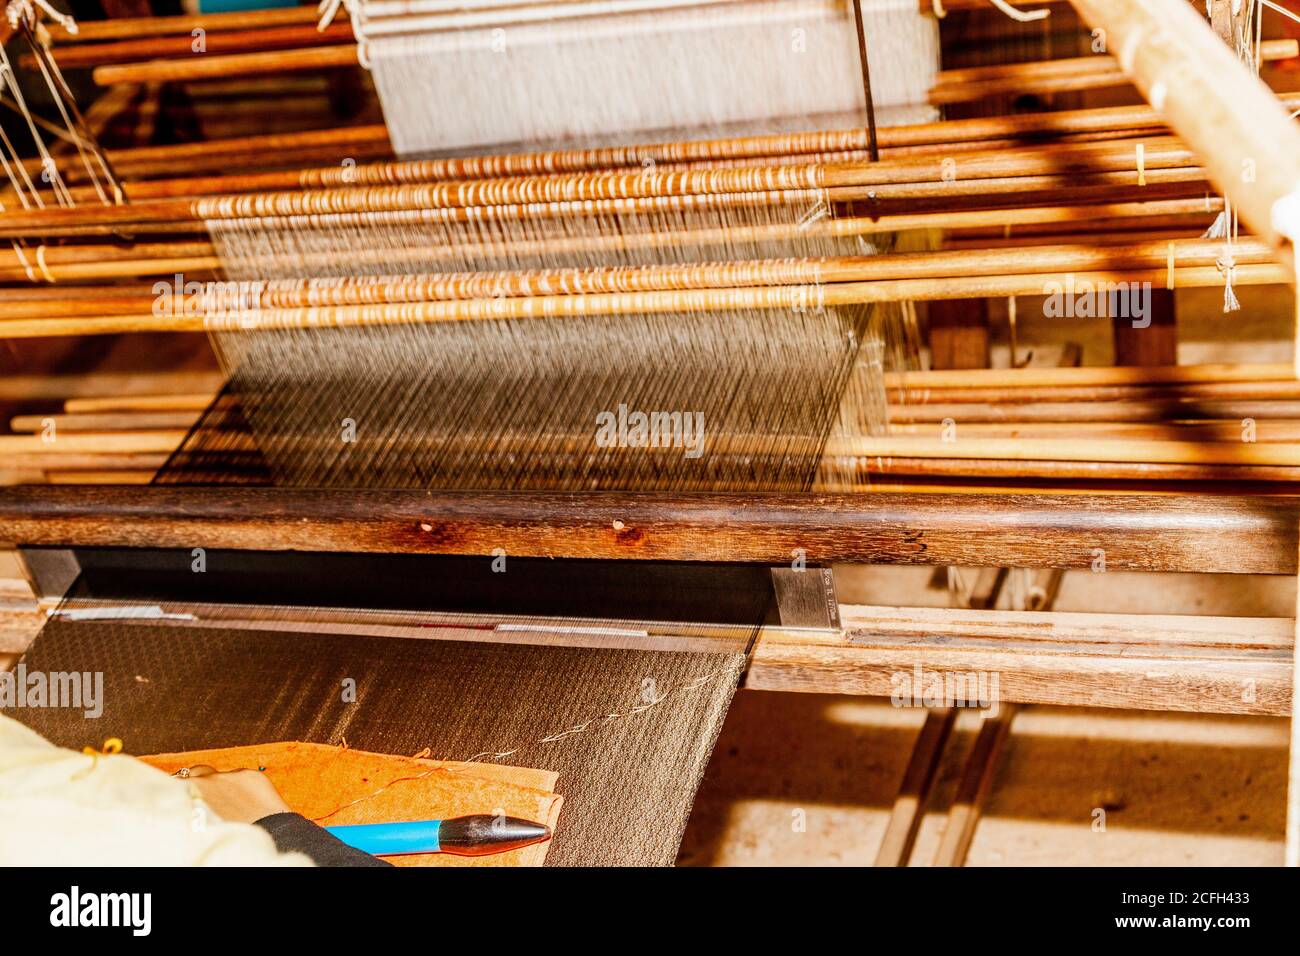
{"type": "Point", "coordinates": [102, 422]}
{"type": "Point", "coordinates": [89, 477]}
{"type": "Point", "coordinates": [175, 217]}
{"type": "Point", "coordinates": [1131, 411]}
{"type": "Point", "coordinates": [1195, 533]}
{"type": "Point", "coordinates": [117, 28]}
{"type": "Point", "coordinates": [981, 160]}
{"type": "Point", "coordinates": [215, 42]}
{"type": "Point", "coordinates": [177, 402]}
{"type": "Point", "coordinates": [87, 461]}
{"type": "Point", "coordinates": [793, 298]}
{"type": "Point", "coordinates": [1001, 402]}
{"type": "Point", "coordinates": [1200, 429]}
{"type": "Point", "coordinates": [1236, 452]}
{"type": "Point", "coordinates": [112, 442]}
{"type": "Point", "coordinates": [83, 262]}
{"type": "Point", "coordinates": [1047, 376]}
{"type": "Point", "coordinates": [868, 472]}
{"type": "Point", "coordinates": [978, 173]}
{"type": "Point", "coordinates": [342, 291]}
{"type": "Point", "coordinates": [1050, 76]}
{"type": "Point", "coordinates": [230, 64]}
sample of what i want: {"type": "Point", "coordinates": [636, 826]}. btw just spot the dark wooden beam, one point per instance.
{"type": "Point", "coordinates": [1206, 533]}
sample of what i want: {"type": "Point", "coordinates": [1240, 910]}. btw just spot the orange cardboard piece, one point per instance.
{"type": "Point", "coordinates": [335, 786]}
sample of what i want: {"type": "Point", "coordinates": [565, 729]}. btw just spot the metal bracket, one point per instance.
{"type": "Point", "coordinates": [805, 598]}
{"type": "Point", "coordinates": [50, 571]}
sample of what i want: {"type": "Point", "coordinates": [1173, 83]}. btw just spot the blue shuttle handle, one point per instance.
{"type": "Point", "coordinates": [388, 839]}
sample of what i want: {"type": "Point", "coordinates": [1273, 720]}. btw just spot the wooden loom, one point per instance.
{"type": "Point", "coordinates": [1153, 474]}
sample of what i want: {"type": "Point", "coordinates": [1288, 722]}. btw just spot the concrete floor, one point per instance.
{"type": "Point", "coordinates": [1171, 789]}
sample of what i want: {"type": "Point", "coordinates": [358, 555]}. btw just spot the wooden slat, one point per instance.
{"type": "Point", "coordinates": [20, 614]}
{"type": "Point", "coordinates": [976, 782]}
{"type": "Point", "coordinates": [959, 334]}
{"type": "Point", "coordinates": [104, 422]}
{"type": "Point", "coordinates": [909, 805]}
{"type": "Point", "coordinates": [1129, 661]}
{"type": "Point", "coordinates": [1140, 662]}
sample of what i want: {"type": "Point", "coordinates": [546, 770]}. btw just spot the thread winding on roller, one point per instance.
{"type": "Point", "coordinates": [515, 403]}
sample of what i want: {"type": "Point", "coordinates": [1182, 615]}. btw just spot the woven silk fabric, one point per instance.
{"type": "Point", "coordinates": [627, 780]}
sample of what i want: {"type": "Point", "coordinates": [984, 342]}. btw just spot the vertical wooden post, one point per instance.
{"type": "Point", "coordinates": [1155, 344]}
{"type": "Point", "coordinates": [1293, 770]}
{"type": "Point", "coordinates": [959, 333]}
{"type": "Point", "coordinates": [976, 782]}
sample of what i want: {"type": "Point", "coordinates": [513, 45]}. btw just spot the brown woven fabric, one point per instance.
{"type": "Point", "coordinates": [628, 781]}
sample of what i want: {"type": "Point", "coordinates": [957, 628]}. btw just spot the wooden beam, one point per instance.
{"type": "Point", "coordinates": [1231, 665]}
{"type": "Point", "coordinates": [1249, 145]}
{"type": "Point", "coordinates": [1195, 532]}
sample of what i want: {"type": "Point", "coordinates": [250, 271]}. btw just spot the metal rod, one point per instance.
{"type": "Point", "coordinates": [873, 149]}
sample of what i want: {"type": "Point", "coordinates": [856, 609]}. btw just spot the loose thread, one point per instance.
{"type": "Point", "coordinates": [599, 721]}
{"type": "Point", "coordinates": [40, 264]}
{"type": "Point", "coordinates": [1021, 16]}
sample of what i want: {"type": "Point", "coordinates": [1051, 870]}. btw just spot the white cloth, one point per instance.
{"type": "Point", "coordinates": [61, 808]}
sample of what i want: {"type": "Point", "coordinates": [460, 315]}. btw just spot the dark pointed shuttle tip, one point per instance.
{"type": "Point", "coordinates": [481, 834]}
